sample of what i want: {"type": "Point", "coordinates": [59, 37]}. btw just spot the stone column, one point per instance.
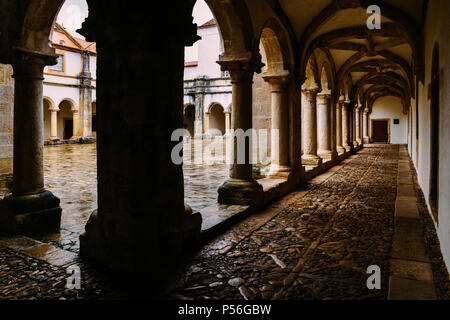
{"type": "Point", "coordinates": [54, 124]}
{"type": "Point", "coordinates": [339, 146]}
{"type": "Point", "coordinates": [141, 206]}
{"type": "Point", "coordinates": [206, 123]}
{"type": "Point", "coordinates": [199, 122]}
{"type": "Point", "coordinates": [227, 123]}
{"type": "Point", "coordinates": [30, 208]}
{"type": "Point", "coordinates": [366, 138]}
{"type": "Point", "coordinates": [280, 127]}
{"type": "Point", "coordinates": [324, 125]}
{"type": "Point", "coordinates": [85, 106]}
{"type": "Point", "coordinates": [345, 126]}
{"type": "Point", "coordinates": [310, 128]}
{"type": "Point", "coordinates": [76, 121]}
{"type": "Point", "coordinates": [358, 125]}
{"type": "Point", "coordinates": [241, 188]}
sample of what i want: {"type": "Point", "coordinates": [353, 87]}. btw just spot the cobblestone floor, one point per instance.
{"type": "Point", "coordinates": [316, 243]}
{"type": "Point", "coordinates": [318, 247]}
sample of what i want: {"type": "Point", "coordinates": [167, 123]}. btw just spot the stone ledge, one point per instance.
{"type": "Point", "coordinates": [406, 289]}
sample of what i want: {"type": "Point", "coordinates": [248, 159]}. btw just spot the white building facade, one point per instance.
{"type": "Point", "coordinates": [70, 90]}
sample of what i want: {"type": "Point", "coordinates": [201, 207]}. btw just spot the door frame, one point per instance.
{"type": "Point", "coordinates": [388, 120]}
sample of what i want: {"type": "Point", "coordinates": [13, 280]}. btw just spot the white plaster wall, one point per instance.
{"type": "Point", "coordinates": [208, 52]}
{"type": "Point", "coordinates": [60, 93]}
{"type": "Point", "coordinates": [437, 29]}
{"type": "Point", "coordinates": [391, 108]}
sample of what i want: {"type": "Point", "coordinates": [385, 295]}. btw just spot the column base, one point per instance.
{"type": "Point", "coordinates": [348, 148]}
{"type": "Point", "coordinates": [311, 160]}
{"type": "Point", "coordinates": [366, 140]}
{"type": "Point", "coordinates": [279, 171]}
{"type": "Point", "coordinates": [122, 248]}
{"type": "Point", "coordinates": [30, 214]}
{"type": "Point", "coordinates": [325, 154]}
{"type": "Point", "coordinates": [340, 150]}
{"type": "Point", "coordinates": [241, 192]}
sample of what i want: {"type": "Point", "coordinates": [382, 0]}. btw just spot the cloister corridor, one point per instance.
{"type": "Point", "coordinates": [314, 243]}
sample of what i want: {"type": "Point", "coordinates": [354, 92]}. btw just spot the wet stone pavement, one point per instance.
{"type": "Point", "coordinates": [315, 243]}
{"type": "Point", "coordinates": [71, 174]}
{"type": "Point", "coordinates": [318, 247]}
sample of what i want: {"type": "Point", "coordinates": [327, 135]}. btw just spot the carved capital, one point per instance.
{"type": "Point", "coordinates": [278, 83]}
{"type": "Point", "coordinates": [241, 70]}
{"type": "Point", "coordinates": [30, 64]}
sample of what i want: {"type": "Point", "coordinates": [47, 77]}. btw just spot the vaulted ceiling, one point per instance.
{"type": "Point", "coordinates": [377, 62]}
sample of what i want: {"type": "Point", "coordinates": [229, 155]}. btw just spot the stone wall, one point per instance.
{"type": "Point", "coordinates": [6, 119]}
{"type": "Point", "coordinates": [261, 115]}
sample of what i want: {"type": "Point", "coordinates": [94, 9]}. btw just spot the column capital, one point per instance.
{"type": "Point", "coordinates": [366, 110]}
{"type": "Point", "coordinates": [279, 83]}
{"type": "Point", "coordinates": [56, 109]}
{"type": "Point", "coordinates": [310, 93]}
{"type": "Point", "coordinates": [241, 70]}
{"type": "Point", "coordinates": [30, 64]}
{"type": "Point", "coordinates": [324, 95]}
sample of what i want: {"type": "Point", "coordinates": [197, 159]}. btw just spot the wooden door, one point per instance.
{"type": "Point", "coordinates": [380, 131]}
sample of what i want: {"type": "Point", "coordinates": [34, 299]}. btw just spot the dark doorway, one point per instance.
{"type": "Point", "coordinates": [68, 129]}
{"type": "Point", "coordinates": [380, 131]}
{"type": "Point", "coordinates": [434, 136]}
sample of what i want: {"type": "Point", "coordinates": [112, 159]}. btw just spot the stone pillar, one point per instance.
{"type": "Point", "coordinates": [85, 106]}
{"type": "Point", "coordinates": [324, 126]}
{"type": "Point", "coordinates": [206, 124]}
{"type": "Point", "coordinates": [141, 205]}
{"type": "Point", "coordinates": [280, 127]}
{"type": "Point", "coordinates": [54, 124]}
{"type": "Point", "coordinates": [199, 122]}
{"type": "Point", "coordinates": [227, 123]}
{"type": "Point", "coordinates": [310, 128]}
{"type": "Point", "coordinates": [76, 121]}
{"type": "Point", "coordinates": [345, 126]}
{"type": "Point", "coordinates": [339, 146]}
{"type": "Point", "coordinates": [358, 125]}
{"type": "Point", "coordinates": [241, 188]}
{"type": "Point", "coordinates": [366, 138]}
{"type": "Point", "coordinates": [30, 208]}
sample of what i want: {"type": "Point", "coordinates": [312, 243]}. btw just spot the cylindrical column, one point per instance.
{"type": "Point", "coordinates": [324, 125]}
{"type": "Point", "coordinates": [227, 122]}
{"type": "Point", "coordinates": [54, 124]}
{"type": "Point", "coordinates": [280, 126]}
{"type": "Point", "coordinates": [358, 125]}
{"type": "Point", "coordinates": [241, 188]}
{"type": "Point", "coordinates": [76, 121]}
{"type": "Point", "coordinates": [38, 209]}
{"type": "Point", "coordinates": [206, 124]}
{"type": "Point", "coordinates": [309, 124]}
{"type": "Point", "coordinates": [28, 127]}
{"type": "Point", "coordinates": [339, 146]}
{"type": "Point", "coordinates": [366, 126]}
{"type": "Point", "coordinates": [345, 126]}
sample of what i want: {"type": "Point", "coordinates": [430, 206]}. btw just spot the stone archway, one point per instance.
{"type": "Point", "coordinates": [65, 124]}
{"type": "Point", "coordinates": [189, 118]}
{"type": "Point", "coordinates": [50, 115]}
{"type": "Point", "coordinates": [216, 119]}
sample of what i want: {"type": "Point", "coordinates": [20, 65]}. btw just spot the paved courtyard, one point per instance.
{"type": "Point", "coordinates": [71, 174]}
{"type": "Point", "coordinates": [315, 243]}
